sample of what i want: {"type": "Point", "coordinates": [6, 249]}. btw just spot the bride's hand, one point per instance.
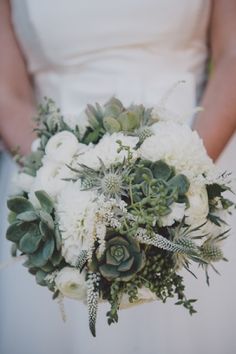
{"type": "Point", "coordinates": [16, 95]}
{"type": "Point", "coordinates": [217, 123]}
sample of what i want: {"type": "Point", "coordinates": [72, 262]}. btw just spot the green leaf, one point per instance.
{"type": "Point", "coordinates": [111, 125]}
{"type": "Point", "coordinates": [141, 173]}
{"type": "Point", "coordinates": [215, 190]}
{"type": "Point", "coordinates": [37, 259]}
{"type": "Point", "coordinates": [40, 277]}
{"type": "Point", "coordinates": [29, 243]}
{"type": "Point", "coordinates": [161, 170]}
{"type": "Point", "coordinates": [19, 205]}
{"type": "Point", "coordinates": [46, 218]}
{"type": "Point", "coordinates": [181, 183]}
{"type": "Point", "coordinates": [129, 121]}
{"type": "Point", "coordinates": [11, 217]}
{"type": "Point", "coordinates": [17, 230]}
{"type": "Point", "coordinates": [48, 248]}
{"type": "Point", "coordinates": [45, 201]}
{"type": "Point", "coordinates": [57, 238]}
{"type": "Point", "coordinates": [48, 267]}
{"type": "Point", "coordinates": [56, 258]}
{"type": "Point", "coordinates": [27, 216]}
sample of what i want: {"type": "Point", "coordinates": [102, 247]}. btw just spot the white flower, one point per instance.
{"type": "Point", "coordinates": [199, 205]}
{"type": "Point", "coordinates": [61, 147]}
{"type": "Point", "coordinates": [144, 295]}
{"type": "Point", "coordinates": [76, 217]}
{"type": "Point", "coordinates": [178, 146]}
{"type": "Point", "coordinates": [176, 214]}
{"type": "Point", "coordinates": [80, 120]}
{"type": "Point", "coordinates": [71, 283]}
{"type": "Point", "coordinates": [50, 179]}
{"type": "Point", "coordinates": [35, 145]}
{"type": "Point", "coordinates": [106, 150]}
{"type": "Point", "coordinates": [22, 182]}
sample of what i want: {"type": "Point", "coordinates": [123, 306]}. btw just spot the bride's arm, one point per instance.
{"type": "Point", "coordinates": [217, 122]}
{"type": "Point", "coordinates": [16, 95]}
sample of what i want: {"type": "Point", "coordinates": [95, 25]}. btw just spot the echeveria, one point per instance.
{"type": "Point", "coordinates": [122, 259]}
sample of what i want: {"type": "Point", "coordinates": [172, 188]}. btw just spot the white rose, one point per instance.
{"type": "Point", "coordinates": [144, 295]}
{"type": "Point", "coordinates": [61, 147]}
{"type": "Point", "coordinates": [199, 205]}
{"type": "Point", "coordinates": [176, 214]}
{"type": "Point", "coordinates": [71, 283]}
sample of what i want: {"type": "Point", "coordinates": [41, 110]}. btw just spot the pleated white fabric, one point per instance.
{"type": "Point", "coordinates": [86, 51]}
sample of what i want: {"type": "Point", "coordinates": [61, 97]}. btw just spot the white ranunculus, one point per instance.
{"type": "Point", "coordinates": [76, 217]}
{"type": "Point", "coordinates": [22, 182]}
{"type": "Point", "coordinates": [50, 179]}
{"type": "Point", "coordinates": [199, 205]}
{"type": "Point", "coordinates": [106, 150]}
{"type": "Point", "coordinates": [35, 145]}
{"type": "Point", "coordinates": [178, 146]}
{"type": "Point", "coordinates": [176, 214]}
{"type": "Point", "coordinates": [144, 295]}
{"type": "Point", "coordinates": [61, 147]}
{"type": "Point", "coordinates": [71, 283]}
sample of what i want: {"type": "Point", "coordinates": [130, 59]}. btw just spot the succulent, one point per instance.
{"type": "Point", "coordinates": [154, 188]}
{"type": "Point", "coordinates": [122, 258]}
{"type": "Point", "coordinates": [35, 234]}
{"type": "Point", "coordinates": [114, 117]}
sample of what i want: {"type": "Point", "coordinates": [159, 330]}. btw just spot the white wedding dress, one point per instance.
{"type": "Point", "coordinates": [79, 52]}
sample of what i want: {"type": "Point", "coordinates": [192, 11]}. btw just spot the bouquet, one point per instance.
{"type": "Point", "coordinates": [111, 205]}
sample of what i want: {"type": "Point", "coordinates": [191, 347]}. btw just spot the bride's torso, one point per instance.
{"type": "Point", "coordinates": [85, 51]}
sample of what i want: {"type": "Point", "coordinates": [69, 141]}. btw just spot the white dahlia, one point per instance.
{"type": "Point", "coordinates": [178, 146]}
{"type": "Point", "coordinates": [76, 215]}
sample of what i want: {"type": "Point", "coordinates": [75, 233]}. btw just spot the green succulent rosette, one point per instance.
{"type": "Point", "coordinates": [122, 259]}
